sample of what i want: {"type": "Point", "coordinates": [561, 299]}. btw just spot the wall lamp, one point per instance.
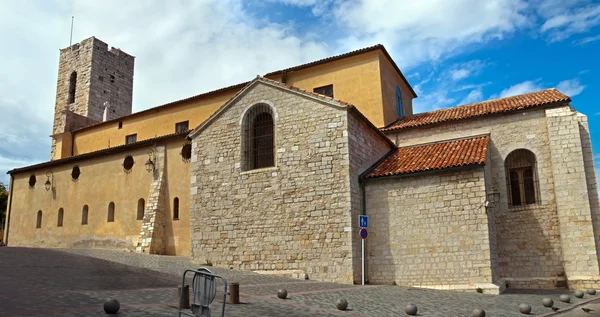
{"type": "Point", "coordinates": [150, 162]}
{"type": "Point", "coordinates": [49, 183]}
{"type": "Point", "coordinates": [493, 197]}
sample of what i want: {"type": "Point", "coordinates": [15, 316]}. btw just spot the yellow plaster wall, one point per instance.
{"type": "Point", "coordinates": [355, 80]}
{"type": "Point", "coordinates": [389, 80]}
{"type": "Point", "coordinates": [148, 125]}
{"type": "Point", "coordinates": [178, 185]}
{"type": "Point", "coordinates": [102, 180]}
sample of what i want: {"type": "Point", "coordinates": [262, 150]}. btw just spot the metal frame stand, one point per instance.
{"type": "Point", "coordinates": [204, 290]}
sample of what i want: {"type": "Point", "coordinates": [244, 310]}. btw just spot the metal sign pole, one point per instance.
{"type": "Point", "coordinates": [363, 261]}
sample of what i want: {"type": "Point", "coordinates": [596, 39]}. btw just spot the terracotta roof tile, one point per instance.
{"type": "Point", "coordinates": [433, 156]}
{"type": "Point", "coordinates": [513, 103]}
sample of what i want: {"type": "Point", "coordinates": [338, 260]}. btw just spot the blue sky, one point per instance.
{"type": "Point", "coordinates": [452, 52]}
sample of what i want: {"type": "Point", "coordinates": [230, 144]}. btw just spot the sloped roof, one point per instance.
{"type": "Point", "coordinates": [110, 150]}
{"type": "Point", "coordinates": [508, 104]}
{"type": "Point", "coordinates": [332, 101]}
{"type": "Point", "coordinates": [242, 85]}
{"type": "Point", "coordinates": [432, 156]}
{"type": "Point", "coordinates": [345, 55]}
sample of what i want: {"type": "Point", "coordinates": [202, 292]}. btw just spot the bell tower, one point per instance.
{"type": "Point", "coordinates": [91, 77]}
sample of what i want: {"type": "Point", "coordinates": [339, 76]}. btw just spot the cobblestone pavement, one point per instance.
{"type": "Point", "coordinates": [72, 282]}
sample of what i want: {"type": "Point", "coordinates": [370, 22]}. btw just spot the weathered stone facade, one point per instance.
{"type": "Point", "coordinates": [530, 241]}
{"type": "Point", "coordinates": [102, 75]}
{"type": "Point", "coordinates": [152, 235]}
{"type": "Point", "coordinates": [294, 216]}
{"type": "Point", "coordinates": [429, 230]}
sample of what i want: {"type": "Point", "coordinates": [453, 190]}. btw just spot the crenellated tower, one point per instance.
{"type": "Point", "coordinates": [91, 77]}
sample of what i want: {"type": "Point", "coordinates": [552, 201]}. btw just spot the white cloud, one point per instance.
{"type": "Point", "coordinates": [467, 69]}
{"type": "Point", "coordinates": [570, 87]}
{"type": "Point", "coordinates": [459, 74]}
{"type": "Point", "coordinates": [521, 88]}
{"type": "Point", "coordinates": [181, 48]}
{"type": "Point", "coordinates": [428, 30]}
{"type": "Point", "coordinates": [473, 96]}
{"type": "Point", "coordinates": [567, 18]}
{"type": "Point", "coordinates": [587, 40]}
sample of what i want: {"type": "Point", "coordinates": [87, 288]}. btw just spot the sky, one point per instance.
{"type": "Point", "coordinates": [452, 52]}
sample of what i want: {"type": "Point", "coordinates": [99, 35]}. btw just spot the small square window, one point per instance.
{"type": "Point", "coordinates": [132, 138]}
{"type": "Point", "coordinates": [324, 90]}
{"type": "Point", "coordinates": [182, 126]}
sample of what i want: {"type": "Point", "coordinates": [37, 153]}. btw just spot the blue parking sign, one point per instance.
{"type": "Point", "coordinates": [363, 221]}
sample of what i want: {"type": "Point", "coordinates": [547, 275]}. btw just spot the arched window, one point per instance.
{"type": "Point", "coordinates": [140, 210]}
{"type": "Point", "coordinates": [521, 179]}
{"type": "Point", "coordinates": [176, 208]}
{"type": "Point", "coordinates": [72, 87]}
{"type": "Point", "coordinates": [258, 139]}
{"type": "Point", "coordinates": [61, 214]}
{"type": "Point", "coordinates": [111, 212]}
{"type": "Point", "coordinates": [38, 223]}
{"type": "Point", "coordinates": [84, 215]}
{"type": "Point", "coordinates": [399, 108]}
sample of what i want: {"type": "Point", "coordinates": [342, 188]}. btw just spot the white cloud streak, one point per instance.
{"type": "Point", "coordinates": [570, 87]}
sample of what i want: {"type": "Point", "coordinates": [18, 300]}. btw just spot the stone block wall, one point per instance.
{"type": "Point", "coordinates": [429, 230]}
{"type": "Point", "coordinates": [590, 173]}
{"type": "Point", "coordinates": [103, 74]}
{"type": "Point", "coordinates": [365, 148]}
{"type": "Point", "coordinates": [572, 199]}
{"type": "Point", "coordinates": [528, 246]}
{"type": "Point", "coordinates": [152, 234]}
{"type": "Point", "coordinates": [294, 216]}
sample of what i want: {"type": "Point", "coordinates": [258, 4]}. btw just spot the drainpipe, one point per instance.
{"type": "Point", "coordinates": [8, 210]}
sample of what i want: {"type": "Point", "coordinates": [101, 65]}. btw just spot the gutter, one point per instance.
{"type": "Point", "coordinates": [8, 210]}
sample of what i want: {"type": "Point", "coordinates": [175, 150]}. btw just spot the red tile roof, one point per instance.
{"type": "Point", "coordinates": [513, 103]}
{"type": "Point", "coordinates": [432, 156]}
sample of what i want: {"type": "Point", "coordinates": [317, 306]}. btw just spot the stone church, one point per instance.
{"type": "Point", "coordinates": [271, 175]}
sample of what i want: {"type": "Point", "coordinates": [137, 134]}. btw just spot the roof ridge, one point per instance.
{"type": "Point", "coordinates": [498, 105]}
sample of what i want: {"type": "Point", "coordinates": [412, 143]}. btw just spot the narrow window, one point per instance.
{"type": "Point", "coordinates": [111, 212]}
{"type": "Point", "coordinates": [399, 102]}
{"type": "Point", "coordinates": [38, 223]}
{"type": "Point", "coordinates": [259, 138]}
{"type": "Point", "coordinates": [522, 180]}
{"type": "Point", "coordinates": [182, 126]}
{"type": "Point", "coordinates": [140, 209]}
{"type": "Point", "coordinates": [32, 181]}
{"type": "Point", "coordinates": [132, 138]}
{"type": "Point", "coordinates": [61, 213]}
{"type": "Point", "coordinates": [84, 215]}
{"type": "Point", "coordinates": [72, 88]}
{"type": "Point", "coordinates": [120, 124]}
{"type": "Point", "coordinates": [176, 208]}
{"type": "Point", "coordinates": [324, 90]}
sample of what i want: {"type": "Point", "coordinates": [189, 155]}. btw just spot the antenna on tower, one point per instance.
{"type": "Point", "coordinates": [71, 37]}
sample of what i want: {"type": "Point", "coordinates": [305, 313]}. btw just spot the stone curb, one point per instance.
{"type": "Point", "coordinates": [570, 308]}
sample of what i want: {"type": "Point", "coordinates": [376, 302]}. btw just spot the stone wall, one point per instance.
{"type": "Point", "coordinates": [152, 236]}
{"type": "Point", "coordinates": [590, 172]}
{"type": "Point", "coordinates": [102, 75]}
{"type": "Point", "coordinates": [294, 216]}
{"type": "Point", "coordinates": [429, 230]}
{"type": "Point", "coordinates": [573, 202]}
{"type": "Point", "coordinates": [528, 246]}
{"type": "Point", "coordinates": [366, 147]}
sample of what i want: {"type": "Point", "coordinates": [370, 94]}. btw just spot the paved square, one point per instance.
{"type": "Point", "coordinates": [61, 282]}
